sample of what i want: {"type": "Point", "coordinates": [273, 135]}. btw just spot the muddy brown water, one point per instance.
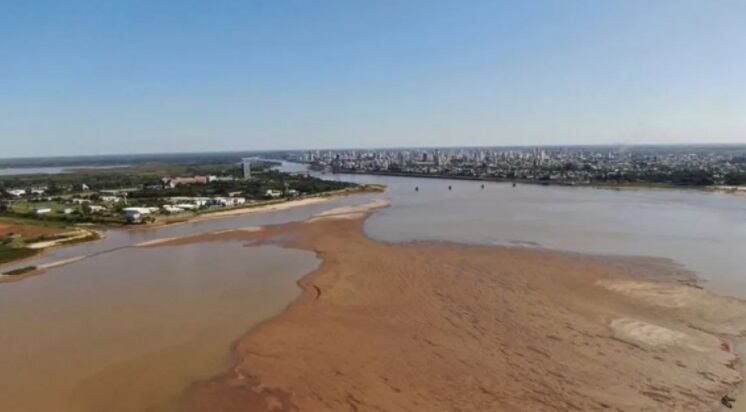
{"type": "Point", "coordinates": [131, 328]}
{"type": "Point", "coordinates": [129, 331]}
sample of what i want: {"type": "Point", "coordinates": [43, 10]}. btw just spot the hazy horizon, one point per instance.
{"type": "Point", "coordinates": [11, 159]}
{"type": "Point", "coordinates": [86, 78]}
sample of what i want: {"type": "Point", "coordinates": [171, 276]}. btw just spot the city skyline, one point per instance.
{"type": "Point", "coordinates": [238, 151]}
{"type": "Point", "coordinates": [619, 147]}
{"type": "Point", "coordinates": [83, 78]}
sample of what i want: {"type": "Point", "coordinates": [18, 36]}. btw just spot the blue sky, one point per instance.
{"type": "Point", "coordinates": [96, 77]}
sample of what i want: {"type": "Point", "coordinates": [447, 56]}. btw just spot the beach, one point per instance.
{"type": "Point", "coordinates": [281, 205]}
{"type": "Point", "coordinates": [443, 326]}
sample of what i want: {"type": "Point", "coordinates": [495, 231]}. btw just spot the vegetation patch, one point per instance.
{"type": "Point", "coordinates": [100, 196]}
{"type": "Point", "coordinates": [20, 271]}
{"type": "Point", "coordinates": [9, 253]}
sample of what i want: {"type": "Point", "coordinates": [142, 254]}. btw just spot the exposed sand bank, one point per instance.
{"type": "Point", "coordinates": [81, 235]}
{"type": "Point", "coordinates": [288, 204]}
{"type": "Point", "coordinates": [349, 212]}
{"type": "Point", "coordinates": [62, 262]}
{"type": "Point", "coordinates": [188, 238]}
{"type": "Point", "coordinates": [36, 270]}
{"type": "Point", "coordinates": [66, 237]}
{"type": "Point", "coordinates": [263, 208]}
{"type": "Point", "coordinates": [439, 326]}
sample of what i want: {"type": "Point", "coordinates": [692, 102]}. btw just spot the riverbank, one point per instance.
{"type": "Point", "coordinates": [441, 326]}
{"type": "Point", "coordinates": [77, 234]}
{"type": "Point", "coordinates": [23, 239]}
{"type": "Point", "coordinates": [599, 185]}
{"type": "Point", "coordinates": [287, 204]}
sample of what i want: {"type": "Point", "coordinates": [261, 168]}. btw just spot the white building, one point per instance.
{"type": "Point", "coordinates": [227, 201]}
{"type": "Point", "coordinates": [246, 168]}
{"type": "Point", "coordinates": [192, 202]}
{"type": "Point", "coordinates": [186, 206]}
{"type": "Point", "coordinates": [273, 193]}
{"type": "Point", "coordinates": [16, 192]}
{"type": "Point", "coordinates": [135, 213]}
{"type": "Point", "coordinates": [42, 210]}
{"type": "Point", "coordinates": [172, 209]}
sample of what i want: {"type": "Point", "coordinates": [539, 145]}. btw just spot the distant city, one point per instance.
{"type": "Point", "coordinates": [569, 165]}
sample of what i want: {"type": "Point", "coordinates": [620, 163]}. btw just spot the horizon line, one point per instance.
{"type": "Point", "coordinates": [237, 151]}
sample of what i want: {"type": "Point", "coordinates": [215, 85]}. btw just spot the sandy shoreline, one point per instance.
{"type": "Point", "coordinates": [270, 207]}
{"type": "Point", "coordinates": [273, 207]}
{"type": "Point", "coordinates": [44, 247]}
{"type": "Point", "coordinates": [263, 208]}
{"type": "Point", "coordinates": [440, 326]}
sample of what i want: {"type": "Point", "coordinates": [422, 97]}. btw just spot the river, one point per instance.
{"type": "Point", "coordinates": [129, 328]}
{"type": "Point", "coordinates": [703, 231]}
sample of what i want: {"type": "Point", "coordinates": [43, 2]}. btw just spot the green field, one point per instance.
{"type": "Point", "coordinates": [26, 207]}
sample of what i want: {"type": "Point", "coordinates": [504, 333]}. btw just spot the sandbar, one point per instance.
{"type": "Point", "coordinates": [437, 326]}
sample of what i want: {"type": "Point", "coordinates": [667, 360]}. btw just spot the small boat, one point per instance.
{"type": "Point", "coordinates": [482, 186]}
{"type": "Point", "coordinates": [416, 188]}
{"type": "Point", "coordinates": [449, 187]}
{"type": "Point", "coordinates": [513, 184]}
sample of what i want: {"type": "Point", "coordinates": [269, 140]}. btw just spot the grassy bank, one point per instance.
{"type": "Point", "coordinates": [20, 232]}
{"type": "Point", "coordinates": [9, 253]}
{"type": "Point", "coordinates": [22, 238]}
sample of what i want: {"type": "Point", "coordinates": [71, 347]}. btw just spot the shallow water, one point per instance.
{"type": "Point", "coordinates": [703, 231]}
{"type": "Point", "coordinates": [117, 238]}
{"type": "Point", "coordinates": [130, 330]}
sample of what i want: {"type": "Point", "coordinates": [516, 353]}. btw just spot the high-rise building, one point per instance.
{"type": "Point", "coordinates": [246, 168]}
